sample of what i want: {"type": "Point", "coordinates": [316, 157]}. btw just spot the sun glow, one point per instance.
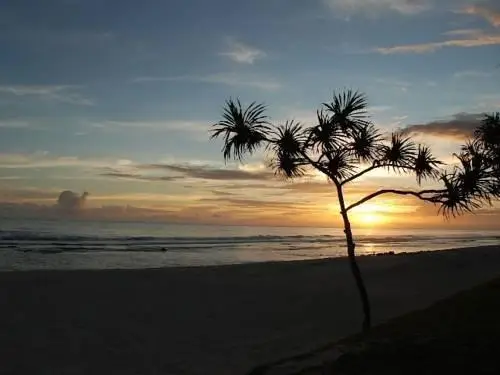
{"type": "Point", "coordinates": [370, 219]}
{"type": "Point", "coordinates": [375, 214]}
{"type": "Point", "coordinates": [371, 214]}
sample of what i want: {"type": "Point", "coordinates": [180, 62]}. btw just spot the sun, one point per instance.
{"type": "Point", "coordinates": [371, 219]}
{"type": "Point", "coordinates": [370, 215]}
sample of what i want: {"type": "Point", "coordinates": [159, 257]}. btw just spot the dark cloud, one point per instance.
{"type": "Point", "coordinates": [70, 201]}
{"type": "Point", "coordinates": [211, 173]}
{"type": "Point", "coordinates": [220, 193]}
{"type": "Point", "coordinates": [134, 176]}
{"type": "Point", "coordinates": [460, 126]}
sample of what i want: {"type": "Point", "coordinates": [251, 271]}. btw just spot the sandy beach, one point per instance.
{"type": "Point", "coordinates": [211, 320]}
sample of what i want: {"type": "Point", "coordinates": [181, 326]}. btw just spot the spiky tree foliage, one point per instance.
{"type": "Point", "coordinates": [344, 145]}
{"type": "Point", "coordinates": [486, 142]}
{"type": "Point", "coordinates": [243, 130]}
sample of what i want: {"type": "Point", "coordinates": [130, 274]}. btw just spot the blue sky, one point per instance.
{"type": "Point", "coordinates": [93, 86]}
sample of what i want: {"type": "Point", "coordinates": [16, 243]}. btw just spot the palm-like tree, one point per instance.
{"type": "Point", "coordinates": [344, 145]}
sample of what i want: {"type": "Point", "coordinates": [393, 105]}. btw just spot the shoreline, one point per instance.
{"type": "Point", "coordinates": [359, 257]}
{"type": "Point", "coordinates": [213, 319]}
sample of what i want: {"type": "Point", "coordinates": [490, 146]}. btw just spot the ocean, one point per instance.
{"type": "Point", "coordinates": [36, 244]}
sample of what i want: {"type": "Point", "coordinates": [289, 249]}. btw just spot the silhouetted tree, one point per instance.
{"type": "Point", "coordinates": [344, 145]}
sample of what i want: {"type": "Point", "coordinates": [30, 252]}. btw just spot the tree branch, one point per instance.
{"type": "Point", "coordinates": [315, 164]}
{"type": "Point", "coordinates": [419, 194]}
{"type": "Point", "coordinates": [359, 174]}
{"type": "Point", "coordinates": [375, 165]}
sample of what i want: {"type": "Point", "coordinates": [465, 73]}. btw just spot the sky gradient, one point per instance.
{"type": "Point", "coordinates": [116, 98]}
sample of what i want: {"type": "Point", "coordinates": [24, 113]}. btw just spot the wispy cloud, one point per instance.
{"type": "Point", "coordinates": [464, 32]}
{"type": "Point", "coordinates": [43, 160]}
{"type": "Point", "coordinates": [407, 7]}
{"type": "Point", "coordinates": [169, 125]}
{"type": "Point", "coordinates": [472, 74]}
{"type": "Point", "coordinates": [60, 93]}
{"type": "Point", "coordinates": [243, 53]}
{"type": "Point", "coordinates": [14, 124]}
{"type": "Point", "coordinates": [476, 40]}
{"type": "Point", "coordinates": [489, 14]}
{"type": "Point", "coordinates": [229, 79]}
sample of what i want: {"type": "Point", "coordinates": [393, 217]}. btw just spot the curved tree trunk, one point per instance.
{"type": "Point", "coordinates": [351, 246]}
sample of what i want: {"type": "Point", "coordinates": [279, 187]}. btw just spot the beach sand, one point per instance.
{"type": "Point", "coordinates": [211, 320]}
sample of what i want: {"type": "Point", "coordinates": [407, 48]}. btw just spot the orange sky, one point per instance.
{"type": "Point", "coordinates": [233, 194]}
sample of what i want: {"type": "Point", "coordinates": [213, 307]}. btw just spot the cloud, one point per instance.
{"type": "Point", "coordinates": [59, 93]}
{"type": "Point", "coordinates": [459, 127]}
{"type": "Point", "coordinates": [138, 177]}
{"type": "Point", "coordinates": [14, 124]}
{"type": "Point", "coordinates": [211, 173]}
{"type": "Point", "coordinates": [309, 187]}
{"type": "Point", "coordinates": [229, 79]}
{"type": "Point", "coordinates": [69, 201]}
{"type": "Point", "coordinates": [220, 193]}
{"type": "Point", "coordinates": [475, 40]}
{"type": "Point", "coordinates": [491, 15]}
{"type": "Point", "coordinates": [257, 203]}
{"type": "Point", "coordinates": [407, 7]}
{"type": "Point", "coordinates": [169, 125]}
{"type": "Point", "coordinates": [472, 74]}
{"type": "Point", "coordinates": [243, 54]}
{"type": "Point", "coordinates": [178, 172]}
{"type": "Point", "coordinates": [44, 160]}
{"type": "Point", "coordinates": [462, 32]}
{"type": "Point", "coordinates": [27, 194]}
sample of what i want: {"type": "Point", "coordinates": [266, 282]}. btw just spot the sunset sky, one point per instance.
{"type": "Point", "coordinates": [116, 97]}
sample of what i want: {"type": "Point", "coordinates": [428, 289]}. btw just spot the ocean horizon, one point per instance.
{"type": "Point", "coordinates": [58, 245]}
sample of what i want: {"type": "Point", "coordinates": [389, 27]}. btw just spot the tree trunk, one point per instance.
{"type": "Point", "coordinates": [351, 246]}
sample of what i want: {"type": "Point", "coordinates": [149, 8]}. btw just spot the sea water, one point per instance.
{"type": "Point", "coordinates": [57, 244]}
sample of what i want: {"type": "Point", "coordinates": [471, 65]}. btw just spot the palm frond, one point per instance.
{"type": "Point", "coordinates": [487, 139]}
{"type": "Point", "coordinates": [288, 138]}
{"type": "Point", "coordinates": [400, 153]}
{"type": "Point", "coordinates": [365, 144]}
{"type": "Point", "coordinates": [472, 147]}
{"type": "Point", "coordinates": [489, 130]}
{"type": "Point", "coordinates": [475, 178]}
{"type": "Point", "coordinates": [426, 165]}
{"type": "Point", "coordinates": [288, 166]}
{"type": "Point", "coordinates": [339, 163]}
{"type": "Point", "coordinates": [242, 130]}
{"type": "Point", "coordinates": [326, 135]}
{"type": "Point", "coordinates": [287, 143]}
{"type": "Point", "coordinates": [349, 109]}
{"type": "Point", "coordinates": [453, 200]}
